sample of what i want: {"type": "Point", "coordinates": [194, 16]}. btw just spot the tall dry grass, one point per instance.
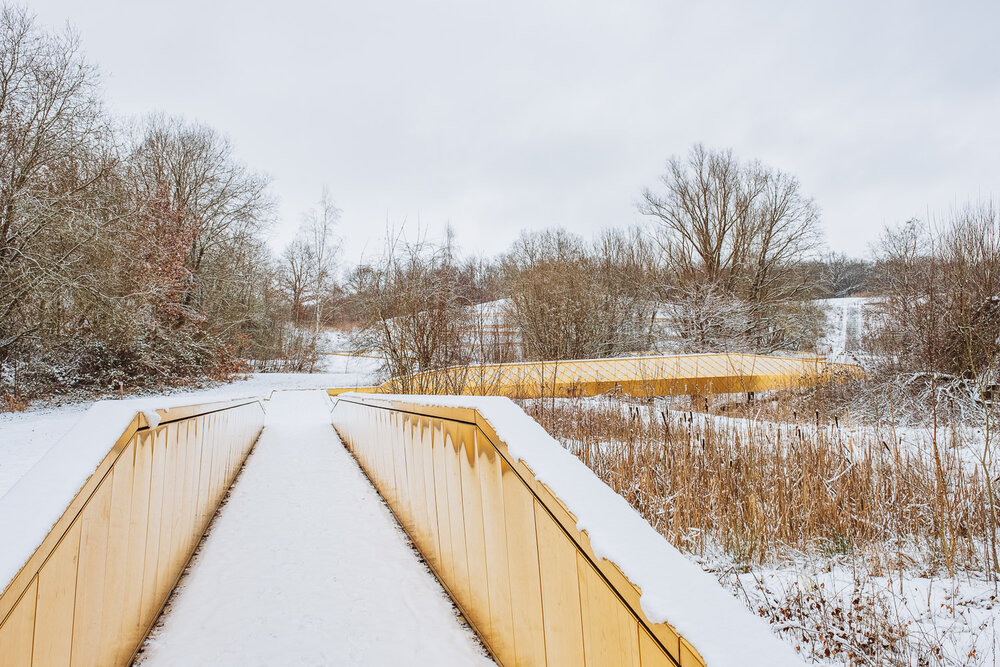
{"type": "Point", "coordinates": [759, 490]}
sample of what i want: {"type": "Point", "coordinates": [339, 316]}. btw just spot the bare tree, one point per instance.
{"type": "Point", "coordinates": [319, 229]}
{"type": "Point", "coordinates": [843, 275]}
{"type": "Point", "coordinates": [52, 148]}
{"type": "Point", "coordinates": [416, 310]}
{"type": "Point", "coordinates": [939, 287]}
{"type": "Point", "coordinates": [124, 260]}
{"type": "Point", "coordinates": [293, 277]}
{"type": "Point", "coordinates": [573, 301]}
{"type": "Point", "coordinates": [225, 202]}
{"type": "Point", "coordinates": [735, 230]}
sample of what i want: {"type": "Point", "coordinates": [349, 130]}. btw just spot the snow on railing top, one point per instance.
{"type": "Point", "coordinates": [31, 507]}
{"type": "Point", "coordinates": [674, 589]}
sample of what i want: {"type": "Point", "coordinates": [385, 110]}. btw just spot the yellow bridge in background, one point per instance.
{"type": "Point", "coordinates": [664, 375]}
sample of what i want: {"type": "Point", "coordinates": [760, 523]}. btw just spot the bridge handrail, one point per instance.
{"type": "Point", "coordinates": [90, 587]}
{"type": "Point", "coordinates": [547, 563]}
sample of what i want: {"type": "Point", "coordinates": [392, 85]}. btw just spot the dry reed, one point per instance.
{"type": "Point", "coordinates": [760, 490]}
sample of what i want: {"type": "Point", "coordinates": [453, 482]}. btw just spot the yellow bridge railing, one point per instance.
{"type": "Point", "coordinates": [663, 375]}
{"type": "Point", "coordinates": [92, 589]}
{"type": "Point", "coordinates": [505, 548]}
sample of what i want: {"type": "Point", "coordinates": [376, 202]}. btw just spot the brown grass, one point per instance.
{"type": "Point", "coordinates": [759, 490]}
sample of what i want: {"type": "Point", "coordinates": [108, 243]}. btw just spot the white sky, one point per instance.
{"type": "Point", "coordinates": [508, 115]}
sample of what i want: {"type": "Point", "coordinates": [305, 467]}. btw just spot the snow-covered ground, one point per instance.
{"type": "Point", "coordinates": [26, 436]}
{"type": "Point", "coordinates": [945, 620]}
{"type": "Point", "coordinates": [305, 565]}
{"type": "Point", "coordinates": [845, 321]}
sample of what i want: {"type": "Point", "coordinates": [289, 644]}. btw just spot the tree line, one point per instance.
{"type": "Point", "coordinates": [132, 253]}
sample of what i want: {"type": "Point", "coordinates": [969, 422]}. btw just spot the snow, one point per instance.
{"type": "Point", "coordinates": [954, 618]}
{"type": "Point", "coordinates": [845, 323]}
{"type": "Point", "coordinates": [305, 565]}
{"type": "Point", "coordinates": [674, 589]}
{"type": "Point", "coordinates": [26, 436]}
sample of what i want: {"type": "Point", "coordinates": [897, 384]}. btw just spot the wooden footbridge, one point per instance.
{"type": "Point", "coordinates": [661, 375]}
{"type": "Point", "coordinates": [546, 563]}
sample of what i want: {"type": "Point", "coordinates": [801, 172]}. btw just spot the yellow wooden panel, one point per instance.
{"type": "Point", "coordinates": [150, 602]}
{"type": "Point", "coordinates": [640, 376]}
{"type": "Point", "coordinates": [610, 632]}
{"type": "Point", "coordinates": [101, 574]}
{"type": "Point", "coordinates": [116, 564]}
{"type": "Point", "coordinates": [415, 478]}
{"type": "Point", "coordinates": [475, 541]}
{"type": "Point", "coordinates": [91, 574]}
{"type": "Point", "coordinates": [131, 628]}
{"type": "Point", "coordinates": [560, 592]}
{"type": "Point", "coordinates": [215, 478]}
{"type": "Point", "coordinates": [56, 599]}
{"type": "Point", "coordinates": [180, 533]}
{"type": "Point", "coordinates": [204, 502]}
{"type": "Point", "coordinates": [522, 554]}
{"type": "Point", "coordinates": [17, 631]}
{"type": "Point", "coordinates": [383, 466]}
{"type": "Point", "coordinates": [172, 529]}
{"type": "Point", "coordinates": [548, 601]}
{"type": "Point", "coordinates": [228, 428]}
{"type": "Point", "coordinates": [650, 653]}
{"type": "Point", "coordinates": [501, 637]}
{"type": "Point", "coordinates": [397, 452]}
{"type": "Point", "coordinates": [192, 469]}
{"type": "Point", "coordinates": [460, 583]}
{"type": "Point", "coordinates": [689, 656]}
{"type": "Point", "coordinates": [426, 448]}
{"type": "Point", "coordinates": [443, 506]}
{"type": "Point", "coordinates": [165, 560]}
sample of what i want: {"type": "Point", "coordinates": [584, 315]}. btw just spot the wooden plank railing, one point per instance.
{"type": "Point", "coordinates": [91, 591]}
{"type": "Point", "coordinates": [505, 548]}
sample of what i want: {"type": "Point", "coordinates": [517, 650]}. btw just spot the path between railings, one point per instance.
{"type": "Point", "coordinates": [306, 565]}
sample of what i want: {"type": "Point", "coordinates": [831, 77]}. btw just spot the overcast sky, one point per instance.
{"type": "Point", "coordinates": [502, 116]}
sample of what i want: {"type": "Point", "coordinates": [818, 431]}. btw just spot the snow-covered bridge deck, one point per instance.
{"type": "Point", "coordinates": [305, 565]}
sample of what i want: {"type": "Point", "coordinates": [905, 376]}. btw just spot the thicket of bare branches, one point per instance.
{"type": "Point", "coordinates": [733, 236]}
{"type": "Point", "coordinates": [413, 307]}
{"type": "Point", "coordinates": [308, 263]}
{"type": "Point", "coordinates": [939, 310]}
{"type": "Point", "coordinates": [127, 258]}
{"type": "Point", "coordinates": [572, 300]}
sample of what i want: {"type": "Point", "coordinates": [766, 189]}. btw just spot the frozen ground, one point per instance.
{"type": "Point", "coordinates": [26, 436]}
{"type": "Point", "coordinates": [946, 620]}
{"type": "Point", "coordinates": [306, 566]}
{"type": "Point", "coordinates": [845, 322]}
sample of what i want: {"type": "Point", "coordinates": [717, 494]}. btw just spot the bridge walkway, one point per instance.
{"type": "Point", "coordinates": [305, 565]}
